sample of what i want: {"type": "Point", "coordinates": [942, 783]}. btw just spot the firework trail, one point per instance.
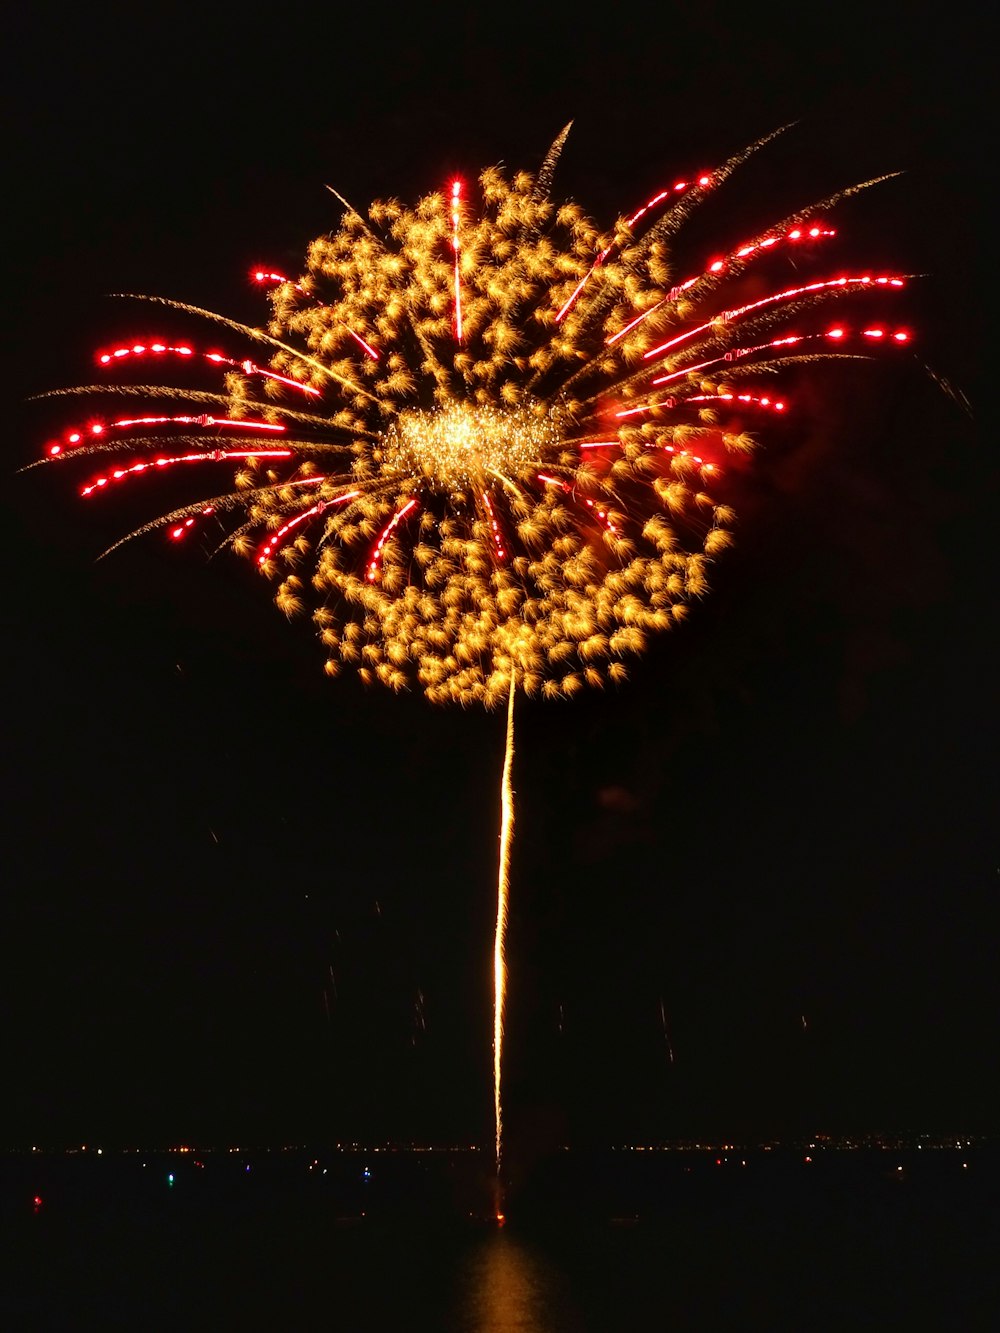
{"type": "Point", "coordinates": [483, 438]}
{"type": "Point", "coordinates": [499, 938]}
{"type": "Point", "coordinates": [666, 1031]}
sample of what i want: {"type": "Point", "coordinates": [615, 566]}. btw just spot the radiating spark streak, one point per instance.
{"type": "Point", "coordinates": [213, 456]}
{"type": "Point", "coordinates": [251, 368]}
{"type": "Point", "coordinates": [259, 275]}
{"type": "Point", "coordinates": [352, 210]}
{"type": "Point", "coordinates": [456, 217]}
{"type": "Point", "coordinates": [76, 438]}
{"type": "Point", "coordinates": [387, 531]}
{"type": "Point", "coordinates": [790, 293]}
{"type": "Point", "coordinates": [414, 324]}
{"type": "Point", "coordinates": [763, 245]}
{"type": "Point", "coordinates": [610, 342]}
{"type": "Point", "coordinates": [719, 266]}
{"type": "Point", "coordinates": [182, 531]}
{"type": "Point", "coordinates": [704, 181]}
{"type": "Point", "coordinates": [598, 511]}
{"type": "Point", "coordinates": [583, 283]}
{"type": "Point", "coordinates": [495, 528]}
{"type": "Point", "coordinates": [503, 894]}
{"type": "Point", "coordinates": [268, 548]}
{"type": "Point", "coordinates": [751, 400]}
{"type": "Point", "coordinates": [199, 396]}
{"type": "Point", "coordinates": [128, 423]}
{"type": "Point", "coordinates": [738, 353]}
{"type": "Point", "coordinates": [669, 223]}
{"type": "Point", "coordinates": [543, 180]}
{"type": "Point", "coordinates": [223, 502]}
{"type": "Point", "coordinates": [118, 444]}
{"type": "Point", "coordinates": [609, 249]}
{"type": "Point", "coordinates": [672, 220]}
{"type": "Point", "coordinates": [511, 487]}
{"type": "Point", "coordinates": [957, 396]}
{"type": "Point", "coordinates": [719, 360]}
{"type": "Point", "coordinates": [256, 334]}
{"type": "Point", "coordinates": [365, 347]}
{"type": "Point", "coordinates": [884, 280]}
{"type": "Point", "coordinates": [216, 358]}
{"type": "Point", "coordinates": [602, 515]}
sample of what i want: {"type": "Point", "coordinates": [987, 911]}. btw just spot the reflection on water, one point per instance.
{"type": "Point", "coordinates": [779, 1245]}
{"type": "Point", "coordinates": [508, 1286]}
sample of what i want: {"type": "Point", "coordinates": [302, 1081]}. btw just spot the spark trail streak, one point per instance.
{"type": "Point", "coordinates": [503, 894]}
{"type": "Point", "coordinates": [456, 218]}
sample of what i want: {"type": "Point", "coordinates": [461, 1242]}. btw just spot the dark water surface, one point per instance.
{"type": "Point", "coordinates": [601, 1244]}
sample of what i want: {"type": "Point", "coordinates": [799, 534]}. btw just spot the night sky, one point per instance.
{"type": "Point", "coordinates": [246, 903]}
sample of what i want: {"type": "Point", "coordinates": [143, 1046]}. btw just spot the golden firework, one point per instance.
{"type": "Point", "coordinates": [483, 448]}
{"type": "Point", "coordinates": [516, 423]}
{"type": "Point", "coordinates": [503, 517]}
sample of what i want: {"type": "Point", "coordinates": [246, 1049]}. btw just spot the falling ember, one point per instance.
{"type": "Point", "coordinates": [666, 1031]}
{"type": "Point", "coordinates": [479, 476]}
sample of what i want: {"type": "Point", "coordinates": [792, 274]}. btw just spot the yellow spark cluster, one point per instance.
{"type": "Point", "coordinates": [494, 570]}
{"type": "Point", "coordinates": [465, 445]}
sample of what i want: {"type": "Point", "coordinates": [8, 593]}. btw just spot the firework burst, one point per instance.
{"type": "Point", "coordinates": [484, 441]}
{"type": "Point", "coordinates": [488, 435]}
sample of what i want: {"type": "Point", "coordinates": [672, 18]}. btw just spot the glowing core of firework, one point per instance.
{"type": "Point", "coordinates": [460, 446]}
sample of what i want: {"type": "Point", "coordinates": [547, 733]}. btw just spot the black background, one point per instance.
{"type": "Point", "coordinates": [780, 828]}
